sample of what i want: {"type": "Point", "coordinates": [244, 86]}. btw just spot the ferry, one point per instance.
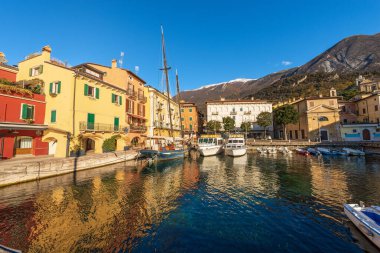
{"type": "Point", "coordinates": [235, 145]}
{"type": "Point", "coordinates": [210, 144]}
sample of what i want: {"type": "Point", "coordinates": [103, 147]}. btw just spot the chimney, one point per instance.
{"type": "Point", "coordinates": [46, 51]}
{"type": "Point", "coordinates": [114, 64]}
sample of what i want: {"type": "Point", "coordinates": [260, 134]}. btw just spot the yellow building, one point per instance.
{"type": "Point", "coordinates": [189, 118]}
{"type": "Point", "coordinates": [318, 119]}
{"type": "Point", "coordinates": [158, 119]}
{"type": "Point", "coordinates": [135, 103]}
{"type": "Point", "coordinates": [82, 109]}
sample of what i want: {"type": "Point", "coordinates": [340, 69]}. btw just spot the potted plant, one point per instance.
{"type": "Point", "coordinates": [76, 151]}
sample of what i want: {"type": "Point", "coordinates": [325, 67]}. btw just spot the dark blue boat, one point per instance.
{"type": "Point", "coordinates": [163, 155]}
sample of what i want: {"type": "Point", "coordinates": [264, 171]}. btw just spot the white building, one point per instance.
{"type": "Point", "coordinates": [240, 110]}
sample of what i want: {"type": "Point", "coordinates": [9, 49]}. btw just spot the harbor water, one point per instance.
{"type": "Point", "coordinates": [254, 203]}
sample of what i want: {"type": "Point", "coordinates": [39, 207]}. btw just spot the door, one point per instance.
{"type": "Point", "coordinates": [116, 124]}
{"type": "Point", "coordinates": [91, 121]}
{"type": "Point", "coordinates": [366, 135]}
{"type": "Point", "coordinates": [324, 135]}
{"type": "Point", "coordinates": [52, 147]}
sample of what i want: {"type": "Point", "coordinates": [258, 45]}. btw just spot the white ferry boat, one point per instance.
{"type": "Point", "coordinates": [210, 144]}
{"type": "Point", "coordinates": [235, 145]}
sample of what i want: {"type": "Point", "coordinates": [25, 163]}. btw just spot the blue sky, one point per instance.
{"type": "Point", "coordinates": [207, 41]}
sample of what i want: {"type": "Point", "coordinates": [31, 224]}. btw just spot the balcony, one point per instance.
{"type": "Point", "coordinates": [214, 113]}
{"type": "Point", "coordinates": [142, 98]}
{"type": "Point", "coordinates": [138, 129]}
{"type": "Point", "coordinates": [233, 113]}
{"type": "Point", "coordinates": [131, 93]}
{"type": "Point", "coordinates": [100, 127]}
{"type": "Point", "coordinates": [247, 113]}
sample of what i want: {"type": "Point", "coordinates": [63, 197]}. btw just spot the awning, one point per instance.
{"type": "Point", "coordinates": [15, 126]}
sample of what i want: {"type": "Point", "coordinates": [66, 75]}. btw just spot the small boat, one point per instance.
{"type": "Point", "coordinates": [331, 152]}
{"type": "Point", "coordinates": [5, 249]}
{"type": "Point", "coordinates": [351, 151]}
{"type": "Point", "coordinates": [271, 150]}
{"type": "Point", "coordinates": [314, 151]}
{"type": "Point", "coordinates": [235, 146]}
{"type": "Point", "coordinates": [339, 152]}
{"type": "Point", "coordinates": [366, 219]}
{"type": "Point", "coordinates": [162, 149]}
{"type": "Point", "coordinates": [211, 144]}
{"type": "Point", "coordinates": [302, 151]}
{"type": "Point", "coordinates": [284, 150]}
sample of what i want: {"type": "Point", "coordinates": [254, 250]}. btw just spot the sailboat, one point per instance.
{"type": "Point", "coordinates": [167, 148]}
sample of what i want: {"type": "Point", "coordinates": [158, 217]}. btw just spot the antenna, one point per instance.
{"type": "Point", "coordinates": [121, 59]}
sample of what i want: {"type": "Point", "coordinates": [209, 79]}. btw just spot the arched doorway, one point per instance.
{"type": "Point", "coordinates": [135, 141]}
{"type": "Point", "coordinates": [89, 145]}
{"type": "Point", "coordinates": [366, 135]}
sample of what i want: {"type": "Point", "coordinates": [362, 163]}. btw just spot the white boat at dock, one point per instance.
{"type": "Point", "coordinates": [235, 145]}
{"type": "Point", "coordinates": [271, 150]}
{"type": "Point", "coordinates": [354, 152]}
{"type": "Point", "coordinates": [209, 145]}
{"type": "Point", "coordinates": [261, 150]}
{"type": "Point", "coordinates": [366, 219]}
{"type": "Point", "coordinates": [284, 150]}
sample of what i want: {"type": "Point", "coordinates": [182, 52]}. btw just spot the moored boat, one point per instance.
{"type": "Point", "coordinates": [261, 150]}
{"type": "Point", "coordinates": [211, 144]}
{"type": "Point", "coordinates": [271, 150]}
{"type": "Point", "coordinates": [314, 151]}
{"type": "Point", "coordinates": [302, 151]}
{"type": "Point", "coordinates": [284, 150]}
{"type": "Point", "coordinates": [366, 219]}
{"type": "Point", "coordinates": [354, 152]}
{"type": "Point", "coordinates": [235, 145]}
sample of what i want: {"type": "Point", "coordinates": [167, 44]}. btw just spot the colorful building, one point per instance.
{"type": "Point", "coordinates": [189, 118]}
{"type": "Point", "coordinates": [360, 132]}
{"type": "Point", "coordinates": [82, 109]}
{"type": "Point", "coordinates": [158, 118]}
{"type": "Point", "coordinates": [22, 114]}
{"type": "Point", "coordinates": [7, 72]}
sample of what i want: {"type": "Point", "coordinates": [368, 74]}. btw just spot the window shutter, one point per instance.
{"type": "Point", "coordinates": [51, 88]}
{"type": "Point", "coordinates": [127, 105]}
{"type": "Point", "coordinates": [32, 112]}
{"type": "Point", "coordinates": [30, 72]}
{"type": "Point", "coordinates": [53, 117]}
{"type": "Point", "coordinates": [85, 89]}
{"type": "Point", "coordinates": [120, 100]}
{"type": "Point", "coordinates": [144, 110]}
{"type": "Point", "coordinates": [97, 93]}
{"type": "Point", "coordinates": [24, 111]}
{"type": "Point", "coordinates": [59, 87]}
{"type": "Point", "coordinates": [113, 98]}
{"type": "Point", "coordinates": [41, 69]}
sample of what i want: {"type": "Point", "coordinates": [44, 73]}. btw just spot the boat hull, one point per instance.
{"type": "Point", "coordinates": [365, 225]}
{"type": "Point", "coordinates": [353, 152]}
{"type": "Point", "coordinates": [235, 152]}
{"type": "Point", "coordinates": [163, 155]}
{"type": "Point", "coordinates": [209, 151]}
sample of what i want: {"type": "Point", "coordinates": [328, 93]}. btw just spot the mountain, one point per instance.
{"type": "Point", "coordinates": [337, 66]}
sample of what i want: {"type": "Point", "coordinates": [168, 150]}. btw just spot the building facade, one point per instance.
{"type": "Point", "coordinates": [22, 115]}
{"type": "Point", "coordinates": [7, 72]}
{"type": "Point", "coordinates": [190, 122]}
{"type": "Point", "coordinates": [240, 110]}
{"type": "Point", "coordinates": [82, 109]}
{"type": "Point", "coordinates": [158, 118]}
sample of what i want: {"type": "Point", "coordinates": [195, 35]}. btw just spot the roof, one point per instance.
{"type": "Point", "coordinates": [8, 67]}
{"type": "Point", "coordinates": [325, 106]}
{"type": "Point", "coordinates": [237, 101]}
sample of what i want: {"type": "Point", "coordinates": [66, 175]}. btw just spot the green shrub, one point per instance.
{"type": "Point", "coordinates": [109, 145]}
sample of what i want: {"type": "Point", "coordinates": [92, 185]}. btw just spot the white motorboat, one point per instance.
{"type": "Point", "coordinates": [271, 150]}
{"type": "Point", "coordinates": [235, 146]}
{"type": "Point", "coordinates": [366, 219]}
{"type": "Point", "coordinates": [284, 150]}
{"type": "Point", "coordinates": [211, 144]}
{"type": "Point", "coordinates": [351, 151]}
{"type": "Point", "coordinates": [261, 150]}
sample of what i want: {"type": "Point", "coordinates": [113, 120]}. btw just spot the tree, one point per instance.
{"type": "Point", "coordinates": [246, 126]}
{"type": "Point", "coordinates": [285, 115]}
{"type": "Point", "coordinates": [264, 119]}
{"type": "Point", "coordinates": [228, 124]}
{"type": "Point", "coordinates": [213, 126]}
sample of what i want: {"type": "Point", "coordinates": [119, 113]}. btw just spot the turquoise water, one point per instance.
{"type": "Point", "coordinates": [214, 204]}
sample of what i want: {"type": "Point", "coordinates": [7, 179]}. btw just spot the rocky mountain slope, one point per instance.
{"type": "Point", "coordinates": [337, 66]}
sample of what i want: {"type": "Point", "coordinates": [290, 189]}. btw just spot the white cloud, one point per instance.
{"type": "Point", "coordinates": [286, 63]}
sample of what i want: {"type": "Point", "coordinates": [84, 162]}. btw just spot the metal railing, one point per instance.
{"type": "Point", "coordinates": [233, 113]}
{"type": "Point", "coordinates": [142, 98]}
{"type": "Point", "coordinates": [100, 127]}
{"type": "Point", "coordinates": [247, 113]}
{"type": "Point", "coordinates": [131, 93]}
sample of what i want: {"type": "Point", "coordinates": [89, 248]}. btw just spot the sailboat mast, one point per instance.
{"type": "Point", "coordinates": [179, 101]}
{"type": "Point", "coordinates": [165, 69]}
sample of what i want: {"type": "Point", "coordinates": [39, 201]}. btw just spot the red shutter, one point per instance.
{"type": "Point", "coordinates": [144, 110]}
{"type": "Point", "coordinates": [127, 105]}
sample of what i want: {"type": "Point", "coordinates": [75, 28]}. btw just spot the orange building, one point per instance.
{"type": "Point", "coordinates": [189, 118]}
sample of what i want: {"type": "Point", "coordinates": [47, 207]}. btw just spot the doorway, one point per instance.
{"type": "Point", "coordinates": [52, 147]}
{"type": "Point", "coordinates": [366, 135]}
{"type": "Point", "coordinates": [324, 135]}
{"type": "Point", "coordinates": [89, 145]}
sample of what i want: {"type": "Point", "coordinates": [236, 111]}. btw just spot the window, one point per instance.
{"type": "Point", "coordinates": [53, 116]}
{"type": "Point", "coordinates": [182, 110]}
{"type": "Point", "coordinates": [35, 71]}
{"type": "Point", "coordinates": [55, 88]}
{"type": "Point", "coordinates": [191, 118]}
{"type": "Point", "coordinates": [182, 119]}
{"type": "Point", "coordinates": [376, 107]}
{"type": "Point", "coordinates": [345, 121]}
{"type": "Point", "coordinates": [27, 111]}
{"type": "Point", "coordinates": [190, 110]}
{"type": "Point", "coordinates": [296, 134]}
{"type": "Point", "coordinates": [191, 127]}
{"type": "Point", "coordinates": [354, 130]}
{"type": "Point", "coordinates": [116, 99]}
{"type": "Point", "coordinates": [303, 134]}
{"type": "Point", "coordinates": [343, 108]}
{"type": "Point", "coordinates": [183, 127]}
{"type": "Point", "coordinates": [130, 106]}
{"type": "Point", "coordinates": [290, 134]}
{"type": "Point", "coordinates": [24, 142]}
{"type": "Point", "coordinates": [311, 103]}
{"type": "Point", "coordinates": [364, 111]}
{"type": "Point", "coordinates": [241, 109]}
{"type": "Point", "coordinates": [91, 91]}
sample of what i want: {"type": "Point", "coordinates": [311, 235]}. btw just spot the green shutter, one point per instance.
{"type": "Point", "coordinates": [191, 127]}
{"type": "Point", "coordinates": [31, 116]}
{"type": "Point", "coordinates": [116, 124]}
{"type": "Point", "coordinates": [53, 116]}
{"type": "Point", "coordinates": [59, 87]}
{"type": "Point", "coordinates": [85, 89]}
{"type": "Point", "coordinates": [113, 98]}
{"type": "Point", "coordinates": [120, 100]}
{"type": "Point", "coordinates": [97, 93]}
{"type": "Point", "coordinates": [30, 72]}
{"type": "Point", "coordinates": [24, 111]}
{"type": "Point", "coordinates": [90, 121]}
{"type": "Point", "coordinates": [41, 69]}
{"type": "Point", "coordinates": [51, 88]}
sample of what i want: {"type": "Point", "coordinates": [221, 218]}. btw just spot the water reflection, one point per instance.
{"type": "Point", "coordinates": [200, 204]}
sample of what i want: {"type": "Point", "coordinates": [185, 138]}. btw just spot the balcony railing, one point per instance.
{"type": "Point", "coordinates": [214, 113]}
{"type": "Point", "coordinates": [131, 93]}
{"type": "Point", "coordinates": [138, 129]}
{"type": "Point", "coordinates": [142, 98]}
{"type": "Point", "coordinates": [233, 113]}
{"type": "Point", "coordinates": [100, 127]}
{"type": "Point", "coordinates": [247, 113]}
